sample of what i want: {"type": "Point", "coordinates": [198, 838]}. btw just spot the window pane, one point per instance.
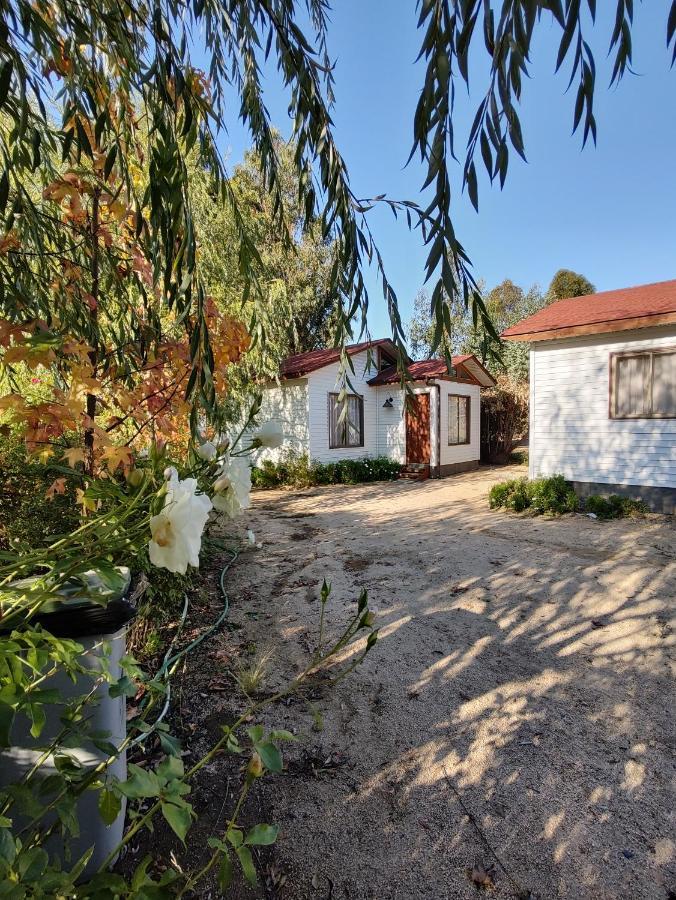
{"type": "Point", "coordinates": [664, 384]}
{"type": "Point", "coordinates": [334, 415]}
{"type": "Point", "coordinates": [453, 406]}
{"type": "Point", "coordinates": [353, 421]}
{"type": "Point", "coordinates": [345, 421]}
{"type": "Point", "coordinates": [632, 386]}
{"type": "Point", "coordinates": [462, 420]}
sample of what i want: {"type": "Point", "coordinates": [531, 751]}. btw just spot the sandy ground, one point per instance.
{"type": "Point", "coordinates": [515, 721]}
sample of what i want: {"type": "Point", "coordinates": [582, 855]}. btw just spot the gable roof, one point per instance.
{"type": "Point", "coordinates": [635, 307]}
{"type": "Point", "coordinates": [437, 368]}
{"type": "Point", "coordinates": [304, 363]}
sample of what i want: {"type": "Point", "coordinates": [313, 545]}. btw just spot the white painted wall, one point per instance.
{"type": "Point", "coordinates": [390, 424]}
{"type": "Point", "coordinates": [391, 432]}
{"type": "Point", "coordinates": [301, 409]}
{"type": "Point", "coordinates": [570, 428]}
{"type": "Point", "coordinates": [286, 404]}
{"type": "Point", "coordinates": [461, 453]}
{"type": "Point", "coordinates": [325, 381]}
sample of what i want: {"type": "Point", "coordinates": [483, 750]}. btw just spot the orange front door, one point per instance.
{"type": "Point", "coordinates": [418, 430]}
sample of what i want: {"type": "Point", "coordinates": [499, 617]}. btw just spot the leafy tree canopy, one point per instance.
{"type": "Point", "coordinates": [506, 304]}
{"type": "Point", "coordinates": [103, 106]}
{"type": "Point", "coordinates": [292, 309]}
{"type": "Point", "coordinates": [567, 283]}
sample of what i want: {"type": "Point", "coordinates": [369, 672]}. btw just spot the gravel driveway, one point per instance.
{"type": "Point", "coordinates": [515, 724]}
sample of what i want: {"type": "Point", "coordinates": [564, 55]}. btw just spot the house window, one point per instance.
{"type": "Point", "coordinates": [458, 419]}
{"type": "Point", "coordinates": [346, 430]}
{"type": "Point", "coordinates": [643, 385]}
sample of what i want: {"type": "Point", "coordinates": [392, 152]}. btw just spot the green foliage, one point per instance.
{"type": "Point", "coordinates": [37, 807]}
{"type": "Point", "coordinates": [519, 457]}
{"type": "Point", "coordinates": [554, 495]}
{"type": "Point", "coordinates": [504, 418]}
{"type": "Point", "coordinates": [567, 283]}
{"type": "Point", "coordinates": [298, 471]}
{"type": "Point", "coordinates": [614, 507]}
{"type": "Point", "coordinates": [291, 309]}
{"type": "Point", "coordinates": [541, 495]}
{"type": "Point", "coordinates": [506, 304]}
{"type": "Point", "coordinates": [27, 519]}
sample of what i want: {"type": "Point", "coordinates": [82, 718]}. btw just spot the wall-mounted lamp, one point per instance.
{"type": "Point", "coordinates": [389, 403]}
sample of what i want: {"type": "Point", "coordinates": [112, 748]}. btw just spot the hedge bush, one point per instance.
{"type": "Point", "coordinates": [541, 495]}
{"type": "Point", "coordinates": [615, 507]}
{"type": "Point", "coordinates": [299, 471]}
{"type": "Point", "coordinates": [555, 495]}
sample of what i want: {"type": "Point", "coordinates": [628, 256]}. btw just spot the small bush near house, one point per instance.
{"type": "Point", "coordinates": [615, 507]}
{"type": "Point", "coordinates": [298, 471]}
{"type": "Point", "coordinates": [541, 495]}
{"type": "Point", "coordinates": [518, 457]}
{"type": "Point", "coordinates": [293, 470]}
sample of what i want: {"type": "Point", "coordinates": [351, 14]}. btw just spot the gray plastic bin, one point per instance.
{"type": "Point", "coordinates": [99, 629]}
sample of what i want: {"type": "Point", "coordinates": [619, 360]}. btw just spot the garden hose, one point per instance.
{"type": "Point", "coordinates": [170, 662]}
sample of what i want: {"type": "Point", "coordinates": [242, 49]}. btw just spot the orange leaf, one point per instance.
{"type": "Point", "coordinates": [56, 487]}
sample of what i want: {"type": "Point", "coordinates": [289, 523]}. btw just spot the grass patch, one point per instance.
{"type": "Point", "coordinates": [252, 677]}
{"type": "Point", "coordinates": [299, 471]}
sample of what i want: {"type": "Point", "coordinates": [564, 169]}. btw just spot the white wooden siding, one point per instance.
{"type": "Point", "coordinates": [391, 432]}
{"type": "Point", "coordinates": [460, 453]}
{"type": "Point", "coordinates": [326, 381]}
{"type": "Point", "coordinates": [288, 406]}
{"type": "Point", "coordinates": [390, 424]}
{"type": "Point", "coordinates": [571, 431]}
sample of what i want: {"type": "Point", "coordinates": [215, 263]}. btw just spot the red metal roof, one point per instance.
{"type": "Point", "coordinates": [635, 307]}
{"type": "Point", "coordinates": [302, 363]}
{"type": "Point", "coordinates": [431, 368]}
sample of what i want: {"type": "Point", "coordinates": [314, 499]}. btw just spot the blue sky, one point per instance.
{"type": "Point", "coordinates": [607, 212]}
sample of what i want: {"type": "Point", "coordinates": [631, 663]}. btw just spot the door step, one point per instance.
{"type": "Point", "coordinates": [415, 472]}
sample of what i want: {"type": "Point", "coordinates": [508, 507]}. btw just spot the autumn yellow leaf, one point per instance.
{"type": "Point", "coordinates": [73, 456]}
{"type": "Point", "coordinates": [117, 456]}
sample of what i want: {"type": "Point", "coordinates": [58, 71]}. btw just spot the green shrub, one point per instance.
{"type": "Point", "coordinates": [615, 507]}
{"type": "Point", "coordinates": [541, 495]}
{"type": "Point", "coordinates": [499, 493]}
{"type": "Point", "coordinates": [27, 518]}
{"type": "Point", "coordinates": [552, 495]}
{"type": "Point", "coordinates": [298, 471]}
{"type": "Point", "coordinates": [519, 457]}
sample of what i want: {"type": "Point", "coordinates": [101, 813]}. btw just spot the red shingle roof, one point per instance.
{"type": "Point", "coordinates": [636, 307]}
{"type": "Point", "coordinates": [302, 363]}
{"type": "Point", "coordinates": [435, 368]}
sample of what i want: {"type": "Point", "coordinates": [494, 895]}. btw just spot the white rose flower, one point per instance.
{"type": "Point", "coordinates": [177, 530]}
{"type": "Point", "coordinates": [233, 486]}
{"type": "Point", "coordinates": [270, 435]}
{"type": "Point", "coordinates": [206, 451]}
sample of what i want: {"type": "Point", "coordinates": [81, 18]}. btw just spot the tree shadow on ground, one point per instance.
{"type": "Point", "coordinates": [518, 706]}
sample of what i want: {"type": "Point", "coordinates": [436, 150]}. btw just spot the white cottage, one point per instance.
{"type": "Point", "coordinates": [603, 392]}
{"type": "Point", "coordinates": [437, 434]}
